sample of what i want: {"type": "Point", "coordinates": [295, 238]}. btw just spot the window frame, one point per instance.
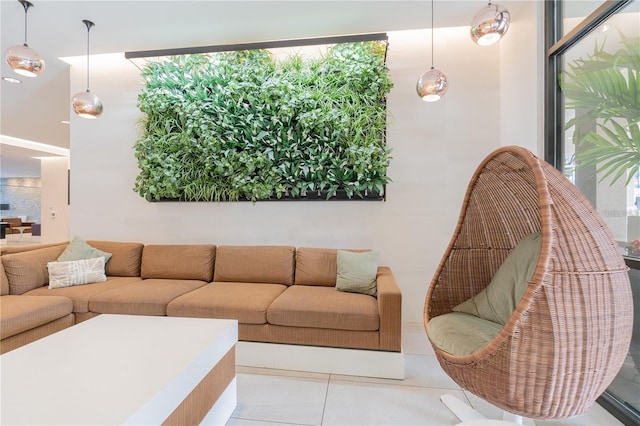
{"type": "Point", "coordinates": [555, 46]}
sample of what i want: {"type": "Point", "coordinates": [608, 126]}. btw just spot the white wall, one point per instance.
{"type": "Point", "coordinates": [54, 207]}
{"type": "Point", "coordinates": [18, 167]}
{"type": "Point", "coordinates": [522, 60]}
{"type": "Point", "coordinates": [436, 148]}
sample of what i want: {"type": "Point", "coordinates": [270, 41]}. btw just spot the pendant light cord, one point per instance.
{"type": "Point", "coordinates": [26, 8]}
{"type": "Point", "coordinates": [431, 34]}
{"type": "Point", "coordinates": [88, 29]}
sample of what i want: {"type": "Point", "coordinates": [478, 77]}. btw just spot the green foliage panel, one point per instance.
{"type": "Point", "coordinates": [241, 125]}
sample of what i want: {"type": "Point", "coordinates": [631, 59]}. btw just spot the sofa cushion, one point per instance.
{"type": "Point", "coordinates": [255, 264]}
{"type": "Point", "coordinates": [28, 270]}
{"type": "Point", "coordinates": [78, 249]}
{"type": "Point", "coordinates": [324, 307]}
{"type": "Point", "coordinates": [357, 272]}
{"type": "Point", "coordinates": [317, 266]}
{"type": "Point", "coordinates": [147, 297]}
{"type": "Point", "coordinates": [13, 221]}
{"type": "Point", "coordinates": [4, 281]}
{"type": "Point", "coordinates": [76, 272]}
{"type": "Point", "coordinates": [461, 334]}
{"type": "Point", "coordinates": [19, 249]}
{"type": "Point", "coordinates": [125, 259]}
{"type": "Point", "coordinates": [182, 262]}
{"type": "Point", "coordinates": [246, 302]}
{"type": "Point", "coordinates": [22, 313]}
{"type": "Point", "coordinates": [81, 294]}
{"type": "Point", "coordinates": [499, 299]}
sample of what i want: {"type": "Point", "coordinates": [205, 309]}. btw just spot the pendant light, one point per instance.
{"type": "Point", "coordinates": [432, 85]}
{"type": "Point", "coordinates": [23, 59]}
{"type": "Point", "coordinates": [490, 24]}
{"type": "Point", "coordinates": [86, 104]}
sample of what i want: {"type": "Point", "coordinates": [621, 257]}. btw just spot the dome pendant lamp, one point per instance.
{"type": "Point", "coordinates": [86, 104]}
{"type": "Point", "coordinates": [490, 24]}
{"type": "Point", "coordinates": [432, 85]}
{"type": "Point", "coordinates": [23, 59]}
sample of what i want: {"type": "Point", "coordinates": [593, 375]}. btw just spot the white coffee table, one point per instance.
{"type": "Point", "coordinates": [123, 369]}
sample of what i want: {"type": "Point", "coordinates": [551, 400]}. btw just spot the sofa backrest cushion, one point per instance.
{"type": "Point", "coordinates": [13, 221]}
{"type": "Point", "coordinates": [28, 270]}
{"type": "Point", "coordinates": [318, 266]}
{"type": "Point", "coordinates": [4, 281]}
{"type": "Point", "coordinates": [180, 262]}
{"type": "Point", "coordinates": [255, 264]}
{"type": "Point", "coordinates": [126, 258]}
{"type": "Point", "coordinates": [20, 249]}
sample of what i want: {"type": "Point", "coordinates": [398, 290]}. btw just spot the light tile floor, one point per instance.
{"type": "Point", "coordinates": [280, 397]}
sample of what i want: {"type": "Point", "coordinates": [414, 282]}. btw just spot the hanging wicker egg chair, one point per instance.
{"type": "Point", "coordinates": [570, 331]}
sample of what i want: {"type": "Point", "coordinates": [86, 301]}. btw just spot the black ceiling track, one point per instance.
{"type": "Point", "coordinates": [257, 45]}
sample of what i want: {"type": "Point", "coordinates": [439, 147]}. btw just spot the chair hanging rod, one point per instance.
{"type": "Point", "coordinates": [89, 24]}
{"type": "Point", "coordinates": [257, 45]}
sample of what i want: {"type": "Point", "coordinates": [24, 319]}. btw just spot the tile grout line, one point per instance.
{"type": "Point", "coordinates": [326, 396]}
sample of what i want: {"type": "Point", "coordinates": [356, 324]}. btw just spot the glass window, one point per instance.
{"type": "Point", "coordinates": [601, 122]}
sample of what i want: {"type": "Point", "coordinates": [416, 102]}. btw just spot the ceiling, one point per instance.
{"type": "Point", "coordinates": [34, 109]}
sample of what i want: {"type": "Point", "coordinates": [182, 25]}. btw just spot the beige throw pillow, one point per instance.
{"type": "Point", "coordinates": [357, 272]}
{"type": "Point", "coordinates": [76, 272]}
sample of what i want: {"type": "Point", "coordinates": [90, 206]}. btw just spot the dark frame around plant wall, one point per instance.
{"type": "Point", "coordinates": [556, 45]}
{"type": "Point", "coordinates": [241, 125]}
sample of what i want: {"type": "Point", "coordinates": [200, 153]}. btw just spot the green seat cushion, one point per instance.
{"type": "Point", "coordinates": [461, 334]}
{"type": "Point", "coordinates": [499, 299]}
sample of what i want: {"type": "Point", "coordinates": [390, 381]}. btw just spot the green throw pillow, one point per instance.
{"type": "Point", "coordinates": [499, 300]}
{"type": "Point", "coordinates": [357, 272]}
{"type": "Point", "coordinates": [78, 249]}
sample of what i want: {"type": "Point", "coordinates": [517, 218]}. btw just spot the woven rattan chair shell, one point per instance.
{"type": "Point", "coordinates": [571, 330]}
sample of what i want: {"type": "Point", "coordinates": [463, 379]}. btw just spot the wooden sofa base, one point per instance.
{"type": "Point", "coordinates": [351, 339]}
{"type": "Point", "coordinates": [351, 362]}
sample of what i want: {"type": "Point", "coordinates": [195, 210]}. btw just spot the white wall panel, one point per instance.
{"type": "Point", "coordinates": [55, 212]}
{"type": "Point", "coordinates": [522, 60]}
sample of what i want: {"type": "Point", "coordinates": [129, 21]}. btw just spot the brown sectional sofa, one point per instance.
{"type": "Point", "coordinates": [278, 294]}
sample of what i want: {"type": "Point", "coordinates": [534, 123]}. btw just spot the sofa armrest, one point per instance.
{"type": "Point", "coordinates": [390, 309]}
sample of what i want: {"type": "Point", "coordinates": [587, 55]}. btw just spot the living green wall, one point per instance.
{"type": "Point", "coordinates": [241, 125]}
